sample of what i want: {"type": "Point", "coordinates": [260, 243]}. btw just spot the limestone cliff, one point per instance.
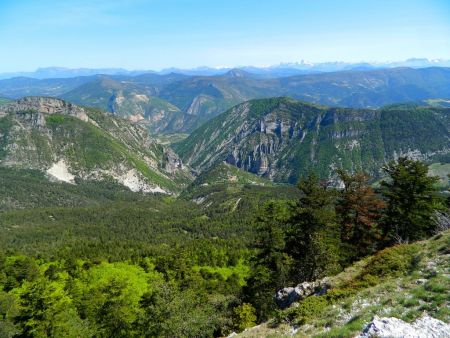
{"type": "Point", "coordinates": [282, 139]}
{"type": "Point", "coordinates": [69, 142]}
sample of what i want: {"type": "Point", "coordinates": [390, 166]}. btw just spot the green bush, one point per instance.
{"type": "Point", "coordinates": [244, 316]}
{"type": "Point", "coordinates": [335, 295]}
{"type": "Point", "coordinates": [309, 308]}
{"type": "Point", "coordinates": [393, 261]}
{"type": "Point", "coordinates": [55, 119]}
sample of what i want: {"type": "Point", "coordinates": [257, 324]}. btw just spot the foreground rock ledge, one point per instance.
{"type": "Point", "coordinates": [424, 327]}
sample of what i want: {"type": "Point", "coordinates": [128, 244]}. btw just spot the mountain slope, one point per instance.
{"type": "Point", "coordinates": [408, 282]}
{"type": "Point", "coordinates": [24, 86]}
{"type": "Point", "coordinates": [4, 100]}
{"type": "Point", "coordinates": [68, 143]}
{"type": "Point", "coordinates": [369, 89]}
{"type": "Point", "coordinates": [134, 101]}
{"type": "Point", "coordinates": [282, 139]}
{"type": "Point", "coordinates": [203, 97]}
{"type": "Point", "coordinates": [224, 186]}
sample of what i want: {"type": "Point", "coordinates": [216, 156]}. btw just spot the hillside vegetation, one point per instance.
{"type": "Point", "coordinates": [404, 282]}
{"type": "Point", "coordinates": [282, 139]}
{"type": "Point", "coordinates": [105, 265]}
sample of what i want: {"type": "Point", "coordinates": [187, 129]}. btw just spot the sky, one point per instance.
{"type": "Point", "coordinates": [157, 34]}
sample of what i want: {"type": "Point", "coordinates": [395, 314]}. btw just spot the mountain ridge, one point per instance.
{"type": "Point", "coordinates": [68, 142]}
{"type": "Point", "coordinates": [171, 103]}
{"type": "Point", "coordinates": [282, 139]}
{"type": "Point", "coordinates": [61, 72]}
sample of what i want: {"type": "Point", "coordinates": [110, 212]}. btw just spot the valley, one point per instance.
{"type": "Point", "coordinates": [180, 206]}
{"type": "Point", "coordinates": [220, 169]}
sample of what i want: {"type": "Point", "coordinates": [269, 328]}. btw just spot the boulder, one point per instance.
{"type": "Point", "coordinates": [286, 296]}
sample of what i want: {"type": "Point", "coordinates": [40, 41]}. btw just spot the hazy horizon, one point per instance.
{"type": "Point", "coordinates": [299, 63]}
{"type": "Point", "coordinates": [156, 34]}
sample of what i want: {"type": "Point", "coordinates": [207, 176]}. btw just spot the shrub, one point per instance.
{"type": "Point", "coordinates": [244, 316]}
{"type": "Point", "coordinates": [55, 119]}
{"type": "Point", "coordinates": [309, 308]}
{"type": "Point", "coordinates": [335, 295]}
{"type": "Point", "coordinates": [394, 261]}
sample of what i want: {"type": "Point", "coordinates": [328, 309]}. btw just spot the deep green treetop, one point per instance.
{"type": "Point", "coordinates": [312, 229]}
{"type": "Point", "coordinates": [411, 200]}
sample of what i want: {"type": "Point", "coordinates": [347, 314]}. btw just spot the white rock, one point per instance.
{"type": "Point", "coordinates": [60, 171]}
{"type": "Point", "coordinates": [424, 327]}
{"type": "Point", "coordinates": [135, 182]}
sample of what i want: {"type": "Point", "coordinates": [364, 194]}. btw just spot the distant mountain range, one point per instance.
{"type": "Point", "coordinates": [282, 69]}
{"type": "Point", "coordinates": [173, 103]}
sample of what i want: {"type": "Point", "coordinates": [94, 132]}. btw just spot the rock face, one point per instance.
{"type": "Point", "coordinates": [135, 102]}
{"type": "Point", "coordinates": [286, 296]}
{"type": "Point", "coordinates": [281, 139]}
{"type": "Point", "coordinates": [424, 327]}
{"type": "Point", "coordinates": [44, 105]}
{"type": "Point", "coordinates": [68, 142]}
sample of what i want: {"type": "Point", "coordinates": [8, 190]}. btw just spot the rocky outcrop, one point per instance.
{"type": "Point", "coordinates": [44, 105]}
{"type": "Point", "coordinates": [286, 296]}
{"type": "Point", "coordinates": [172, 162]}
{"type": "Point", "coordinates": [92, 145]}
{"type": "Point", "coordinates": [424, 327]}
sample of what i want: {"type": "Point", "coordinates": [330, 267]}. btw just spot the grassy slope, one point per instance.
{"type": "Point", "coordinates": [225, 173]}
{"type": "Point", "coordinates": [404, 282]}
{"type": "Point", "coordinates": [225, 188]}
{"type": "Point", "coordinates": [442, 170]}
{"type": "Point", "coordinates": [170, 138]}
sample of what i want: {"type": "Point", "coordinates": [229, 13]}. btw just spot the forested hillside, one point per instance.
{"type": "Point", "coordinates": [282, 139]}
{"type": "Point", "coordinates": [210, 261]}
{"type": "Point", "coordinates": [70, 143]}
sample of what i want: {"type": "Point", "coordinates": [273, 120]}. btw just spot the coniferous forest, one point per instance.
{"type": "Point", "coordinates": [225, 168]}
{"type": "Point", "coordinates": [164, 266]}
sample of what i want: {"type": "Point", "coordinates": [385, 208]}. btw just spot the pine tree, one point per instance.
{"type": "Point", "coordinates": [411, 200]}
{"type": "Point", "coordinates": [270, 263]}
{"type": "Point", "coordinates": [271, 236]}
{"type": "Point", "coordinates": [313, 231]}
{"type": "Point", "coordinates": [359, 210]}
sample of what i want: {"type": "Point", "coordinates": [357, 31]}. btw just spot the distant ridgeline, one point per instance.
{"type": "Point", "coordinates": [168, 103]}
{"type": "Point", "coordinates": [282, 139]}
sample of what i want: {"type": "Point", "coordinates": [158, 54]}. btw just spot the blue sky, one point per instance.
{"type": "Point", "coordinates": [155, 34]}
